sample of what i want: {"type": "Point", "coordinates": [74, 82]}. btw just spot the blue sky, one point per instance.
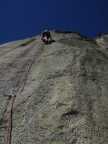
{"type": "Point", "coordinates": [25, 18]}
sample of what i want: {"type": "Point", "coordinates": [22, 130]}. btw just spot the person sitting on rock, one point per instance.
{"type": "Point", "coordinates": [46, 37]}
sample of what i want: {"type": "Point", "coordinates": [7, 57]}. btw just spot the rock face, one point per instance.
{"type": "Point", "coordinates": [54, 94]}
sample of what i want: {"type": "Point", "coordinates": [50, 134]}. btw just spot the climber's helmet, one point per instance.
{"type": "Point", "coordinates": [46, 30]}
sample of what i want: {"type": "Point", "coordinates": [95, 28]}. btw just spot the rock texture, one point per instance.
{"type": "Point", "coordinates": [54, 94]}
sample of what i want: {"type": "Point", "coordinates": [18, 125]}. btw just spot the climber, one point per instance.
{"type": "Point", "coordinates": [46, 37]}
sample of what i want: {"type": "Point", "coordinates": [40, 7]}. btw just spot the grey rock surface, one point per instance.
{"type": "Point", "coordinates": [54, 94]}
